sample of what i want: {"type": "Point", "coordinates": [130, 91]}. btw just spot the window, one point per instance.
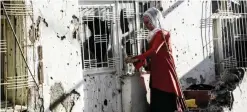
{"type": "Point", "coordinates": [230, 34]}
{"type": "Point", "coordinates": [14, 75]}
{"type": "Point", "coordinates": [110, 31]}
{"type": "Point", "coordinates": [97, 36]}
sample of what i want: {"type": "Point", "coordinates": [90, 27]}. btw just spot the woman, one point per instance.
{"type": "Point", "coordinates": [166, 95]}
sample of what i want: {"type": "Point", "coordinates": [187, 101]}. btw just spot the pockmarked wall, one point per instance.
{"type": "Point", "coordinates": [192, 40]}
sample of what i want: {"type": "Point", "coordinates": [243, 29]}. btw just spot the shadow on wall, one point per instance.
{"type": "Point", "coordinates": [202, 73]}
{"type": "Point", "coordinates": [60, 98]}
{"type": "Point", "coordinates": [171, 8]}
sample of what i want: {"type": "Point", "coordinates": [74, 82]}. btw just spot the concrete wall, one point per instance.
{"type": "Point", "coordinates": [64, 86]}
{"type": "Point", "coordinates": [191, 41]}
{"type": "Point", "coordinates": [61, 57]}
{"type": "Point", "coordinates": [63, 75]}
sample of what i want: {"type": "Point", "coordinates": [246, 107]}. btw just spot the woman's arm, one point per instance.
{"type": "Point", "coordinates": [158, 39]}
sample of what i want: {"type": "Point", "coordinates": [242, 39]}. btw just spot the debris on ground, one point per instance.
{"type": "Point", "coordinates": [221, 94]}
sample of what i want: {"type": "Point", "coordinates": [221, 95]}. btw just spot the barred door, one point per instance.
{"type": "Point", "coordinates": [230, 34]}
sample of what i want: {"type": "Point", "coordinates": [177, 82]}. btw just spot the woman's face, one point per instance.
{"type": "Point", "coordinates": [147, 23]}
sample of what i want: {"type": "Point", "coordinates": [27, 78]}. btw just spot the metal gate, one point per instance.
{"type": "Point", "coordinates": [109, 32]}
{"type": "Point", "coordinates": [230, 34]}
{"type": "Point", "coordinates": [16, 75]}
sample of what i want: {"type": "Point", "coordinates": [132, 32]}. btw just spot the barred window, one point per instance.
{"type": "Point", "coordinates": [111, 31]}
{"type": "Point", "coordinates": [97, 35]}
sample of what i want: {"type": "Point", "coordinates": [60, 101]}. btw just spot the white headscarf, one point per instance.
{"type": "Point", "coordinates": [156, 19]}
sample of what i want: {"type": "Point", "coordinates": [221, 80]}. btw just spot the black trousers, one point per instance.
{"type": "Point", "coordinates": [162, 101]}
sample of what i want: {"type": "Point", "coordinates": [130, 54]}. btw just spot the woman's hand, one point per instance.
{"type": "Point", "coordinates": [130, 60]}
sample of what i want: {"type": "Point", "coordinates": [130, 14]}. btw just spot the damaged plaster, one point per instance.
{"type": "Point", "coordinates": [60, 99]}
{"type": "Point", "coordinates": [75, 22]}
{"type": "Point", "coordinates": [34, 31]}
{"type": "Point", "coordinates": [36, 100]}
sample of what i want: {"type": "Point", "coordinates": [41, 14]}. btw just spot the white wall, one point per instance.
{"type": "Point", "coordinates": [63, 65]}
{"type": "Point", "coordinates": [192, 49]}
{"type": "Point", "coordinates": [192, 45]}
{"type": "Point", "coordinates": [61, 58]}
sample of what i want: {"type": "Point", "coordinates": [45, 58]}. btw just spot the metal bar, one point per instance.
{"type": "Point", "coordinates": [108, 36]}
{"type": "Point", "coordinates": [205, 30]}
{"type": "Point", "coordinates": [242, 34]}
{"type": "Point", "coordinates": [101, 56]}
{"type": "Point", "coordinates": [18, 43]}
{"type": "Point", "coordinates": [95, 56]}
{"type": "Point", "coordinates": [245, 37]}
{"type": "Point", "coordinates": [231, 48]}
{"type": "Point", "coordinates": [239, 32]}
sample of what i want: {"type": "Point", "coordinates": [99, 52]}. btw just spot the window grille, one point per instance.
{"type": "Point", "coordinates": [129, 30]}
{"type": "Point", "coordinates": [16, 76]}
{"type": "Point", "coordinates": [231, 35]}
{"type": "Point", "coordinates": [97, 35]}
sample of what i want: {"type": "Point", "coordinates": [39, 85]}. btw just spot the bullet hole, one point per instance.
{"type": "Point", "coordinates": [70, 53]}
{"type": "Point", "coordinates": [46, 24]}
{"type": "Point", "coordinates": [105, 102]}
{"type": "Point", "coordinates": [75, 17]}
{"type": "Point", "coordinates": [95, 106]}
{"type": "Point", "coordinates": [11, 49]}
{"type": "Point", "coordinates": [177, 56]}
{"type": "Point", "coordinates": [192, 58]}
{"type": "Point", "coordinates": [73, 5]}
{"type": "Point", "coordinates": [85, 80]}
{"type": "Point", "coordinates": [174, 29]}
{"type": "Point", "coordinates": [63, 37]}
{"type": "Point", "coordinates": [61, 10]}
{"type": "Point", "coordinates": [68, 27]}
{"type": "Point", "coordinates": [119, 91]}
{"type": "Point", "coordinates": [113, 94]}
{"type": "Point", "coordinates": [99, 90]}
{"type": "Point", "coordinates": [195, 54]}
{"type": "Point", "coordinates": [209, 57]}
{"type": "Point", "coordinates": [79, 62]}
{"type": "Point", "coordinates": [67, 63]}
{"type": "Point", "coordinates": [74, 34]}
{"type": "Point", "coordinates": [193, 24]}
{"type": "Point", "coordinates": [51, 77]}
{"type": "Point", "coordinates": [58, 36]}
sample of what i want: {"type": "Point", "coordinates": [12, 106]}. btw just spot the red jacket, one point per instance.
{"type": "Point", "coordinates": [163, 75]}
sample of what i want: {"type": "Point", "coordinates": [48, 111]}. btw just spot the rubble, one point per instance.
{"type": "Point", "coordinates": [222, 92]}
